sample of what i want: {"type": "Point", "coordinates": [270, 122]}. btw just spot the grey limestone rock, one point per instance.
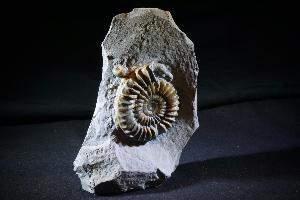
{"type": "Point", "coordinates": [143, 36]}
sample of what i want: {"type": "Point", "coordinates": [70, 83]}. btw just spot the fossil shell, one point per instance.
{"type": "Point", "coordinates": [145, 106]}
{"type": "Point", "coordinates": [120, 71]}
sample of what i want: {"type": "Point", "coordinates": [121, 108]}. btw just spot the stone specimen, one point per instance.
{"type": "Point", "coordinates": [146, 109]}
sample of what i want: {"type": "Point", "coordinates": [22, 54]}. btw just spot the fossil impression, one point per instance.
{"type": "Point", "coordinates": [145, 106]}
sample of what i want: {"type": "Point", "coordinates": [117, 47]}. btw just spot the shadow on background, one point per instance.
{"type": "Point", "coordinates": [248, 167]}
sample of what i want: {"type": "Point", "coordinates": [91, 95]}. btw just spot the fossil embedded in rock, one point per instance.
{"type": "Point", "coordinates": [120, 71]}
{"type": "Point", "coordinates": [145, 106]}
{"type": "Point", "coordinates": [130, 143]}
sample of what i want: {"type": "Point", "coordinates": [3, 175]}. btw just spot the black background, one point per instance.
{"type": "Point", "coordinates": [248, 142]}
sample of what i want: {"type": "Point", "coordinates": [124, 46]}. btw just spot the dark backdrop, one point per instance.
{"type": "Point", "coordinates": [248, 57]}
{"type": "Point", "coordinates": [52, 64]}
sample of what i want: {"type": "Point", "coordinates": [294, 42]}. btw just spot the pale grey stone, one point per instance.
{"type": "Point", "coordinates": [143, 36]}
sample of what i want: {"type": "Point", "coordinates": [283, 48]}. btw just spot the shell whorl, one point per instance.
{"type": "Point", "coordinates": [145, 106]}
{"type": "Point", "coordinates": [120, 71]}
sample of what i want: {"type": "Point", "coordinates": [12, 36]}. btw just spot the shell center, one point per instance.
{"type": "Point", "coordinates": [152, 106]}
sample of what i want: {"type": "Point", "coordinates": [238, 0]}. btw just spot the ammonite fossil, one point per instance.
{"type": "Point", "coordinates": [145, 105]}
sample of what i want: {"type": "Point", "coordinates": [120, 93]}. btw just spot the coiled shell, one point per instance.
{"type": "Point", "coordinates": [145, 106]}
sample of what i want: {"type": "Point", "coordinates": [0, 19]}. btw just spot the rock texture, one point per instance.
{"type": "Point", "coordinates": [108, 161]}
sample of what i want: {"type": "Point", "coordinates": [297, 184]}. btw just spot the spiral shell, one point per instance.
{"type": "Point", "coordinates": [145, 106]}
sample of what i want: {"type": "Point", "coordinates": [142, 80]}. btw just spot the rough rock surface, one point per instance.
{"type": "Point", "coordinates": [105, 164]}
